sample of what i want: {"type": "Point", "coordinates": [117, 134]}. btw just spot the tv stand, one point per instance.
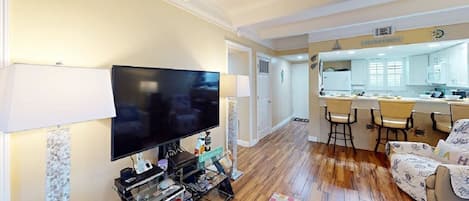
{"type": "Point", "coordinates": [140, 179]}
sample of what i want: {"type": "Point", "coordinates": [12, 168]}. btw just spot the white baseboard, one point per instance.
{"type": "Point", "coordinates": [312, 138]}
{"type": "Point", "coordinates": [243, 143]}
{"type": "Point", "coordinates": [282, 123]}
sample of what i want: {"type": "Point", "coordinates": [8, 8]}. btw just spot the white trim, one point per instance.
{"type": "Point", "coordinates": [4, 138]}
{"type": "Point", "coordinates": [245, 143]}
{"type": "Point", "coordinates": [217, 18]}
{"type": "Point", "coordinates": [312, 138]}
{"type": "Point", "coordinates": [282, 123]}
{"type": "Point", "coordinates": [252, 98]}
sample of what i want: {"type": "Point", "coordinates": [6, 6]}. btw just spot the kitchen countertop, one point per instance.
{"type": "Point", "coordinates": [422, 105]}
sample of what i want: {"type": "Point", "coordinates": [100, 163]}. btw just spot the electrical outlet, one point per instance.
{"type": "Point", "coordinates": [419, 132]}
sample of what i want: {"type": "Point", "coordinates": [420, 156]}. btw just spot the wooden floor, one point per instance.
{"type": "Point", "coordinates": [285, 162]}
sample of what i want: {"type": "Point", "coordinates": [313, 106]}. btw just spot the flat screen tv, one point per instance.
{"type": "Point", "coordinates": [156, 106]}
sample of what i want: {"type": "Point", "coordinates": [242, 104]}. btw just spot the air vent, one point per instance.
{"type": "Point", "coordinates": [263, 66]}
{"type": "Point", "coordinates": [384, 31]}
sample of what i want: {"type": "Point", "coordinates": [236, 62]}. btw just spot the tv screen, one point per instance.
{"type": "Point", "coordinates": [156, 106]}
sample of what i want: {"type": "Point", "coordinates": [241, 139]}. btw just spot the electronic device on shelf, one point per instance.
{"type": "Point", "coordinates": [138, 179]}
{"type": "Point", "coordinates": [156, 106]}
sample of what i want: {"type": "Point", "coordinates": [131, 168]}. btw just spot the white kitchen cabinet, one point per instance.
{"type": "Point", "coordinates": [438, 66]}
{"type": "Point", "coordinates": [417, 70]}
{"type": "Point", "coordinates": [359, 72]}
{"type": "Point", "coordinates": [458, 73]}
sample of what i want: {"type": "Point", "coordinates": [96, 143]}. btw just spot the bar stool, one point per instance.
{"type": "Point", "coordinates": [338, 111]}
{"type": "Point", "coordinates": [394, 115]}
{"type": "Point", "coordinates": [444, 122]}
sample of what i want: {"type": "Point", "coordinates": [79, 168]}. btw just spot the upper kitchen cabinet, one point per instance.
{"type": "Point", "coordinates": [458, 71]}
{"type": "Point", "coordinates": [417, 69]}
{"type": "Point", "coordinates": [437, 69]}
{"type": "Point", "coordinates": [359, 72]}
{"type": "Point", "coordinates": [449, 66]}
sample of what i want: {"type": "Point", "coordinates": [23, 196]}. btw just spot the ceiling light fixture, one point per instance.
{"type": "Point", "coordinates": [299, 57]}
{"type": "Point", "coordinates": [381, 54]}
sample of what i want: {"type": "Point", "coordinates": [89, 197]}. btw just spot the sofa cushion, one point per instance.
{"type": "Point", "coordinates": [410, 173]}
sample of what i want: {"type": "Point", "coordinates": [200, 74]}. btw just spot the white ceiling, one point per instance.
{"type": "Point", "coordinates": [387, 52]}
{"type": "Point", "coordinates": [296, 57]}
{"type": "Point", "coordinates": [267, 21]}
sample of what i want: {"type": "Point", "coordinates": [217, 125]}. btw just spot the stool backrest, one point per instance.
{"type": "Point", "coordinates": [339, 105]}
{"type": "Point", "coordinates": [396, 109]}
{"type": "Point", "coordinates": [459, 111]}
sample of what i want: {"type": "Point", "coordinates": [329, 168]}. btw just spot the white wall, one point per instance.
{"type": "Point", "coordinates": [299, 74]}
{"type": "Point", "coordinates": [238, 63]}
{"type": "Point", "coordinates": [281, 91]}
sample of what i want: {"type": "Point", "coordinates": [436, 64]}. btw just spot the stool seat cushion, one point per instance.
{"type": "Point", "coordinates": [341, 118]}
{"type": "Point", "coordinates": [394, 123]}
{"type": "Point", "coordinates": [444, 126]}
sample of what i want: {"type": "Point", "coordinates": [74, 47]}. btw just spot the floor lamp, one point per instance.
{"type": "Point", "coordinates": [234, 87]}
{"type": "Point", "coordinates": [39, 96]}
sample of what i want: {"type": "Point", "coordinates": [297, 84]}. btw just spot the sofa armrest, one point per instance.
{"type": "Point", "coordinates": [416, 148]}
{"type": "Point", "coordinates": [443, 189]}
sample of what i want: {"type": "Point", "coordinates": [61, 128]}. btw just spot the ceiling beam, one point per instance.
{"type": "Point", "coordinates": [391, 11]}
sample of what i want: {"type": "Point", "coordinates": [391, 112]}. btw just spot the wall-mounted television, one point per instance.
{"type": "Point", "coordinates": [156, 106]}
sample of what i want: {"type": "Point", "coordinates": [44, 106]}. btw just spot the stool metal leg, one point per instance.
{"type": "Point", "coordinates": [351, 137]}
{"type": "Point", "coordinates": [345, 138]}
{"type": "Point", "coordinates": [330, 134]}
{"type": "Point", "coordinates": [405, 134]}
{"type": "Point", "coordinates": [335, 136]}
{"type": "Point", "coordinates": [378, 140]}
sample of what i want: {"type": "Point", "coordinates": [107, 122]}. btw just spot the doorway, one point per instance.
{"type": "Point", "coordinates": [300, 98]}
{"type": "Point", "coordinates": [264, 97]}
{"type": "Point", "coordinates": [239, 62]}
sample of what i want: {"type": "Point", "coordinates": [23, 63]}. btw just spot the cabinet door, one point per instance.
{"type": "Point", "coordinates": [417, 70]}
{"type": "Point", "coordinates": [437, 68]}
{"type": "Point", "coordinates": [457, 74]}
{"type": "Point", "coordinates": [359, 72]}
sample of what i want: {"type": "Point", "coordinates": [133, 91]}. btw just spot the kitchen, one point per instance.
{"type": "Point", "coordinates": [431, 74]}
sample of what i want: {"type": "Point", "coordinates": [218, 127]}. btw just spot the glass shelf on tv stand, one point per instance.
{"type": "Point", "coordinates": [151, 192]}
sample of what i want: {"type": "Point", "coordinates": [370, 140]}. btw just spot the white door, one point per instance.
{"type": "Point", "coordinates": [264, 102]}
{"type": "Point", "coordinates": [300, 85]}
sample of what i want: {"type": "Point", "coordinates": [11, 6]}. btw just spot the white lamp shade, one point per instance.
{"type": "Point", "coordinates": [37, 96]}
{"type": "Point", "coordinates": [235, 86]}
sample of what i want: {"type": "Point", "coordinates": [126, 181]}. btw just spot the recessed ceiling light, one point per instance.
{"type": "Point", "coordinates": [434, 45]}
{"type": "Point", "coordinates": [381, 54]}
{"type": "Point", "coordinates": [299, 57]}
{"type": "Point", "coordinates": [351, 52]}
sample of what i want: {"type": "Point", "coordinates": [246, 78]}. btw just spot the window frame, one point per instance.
{"type": "Point", "coordinates": [385, 74]}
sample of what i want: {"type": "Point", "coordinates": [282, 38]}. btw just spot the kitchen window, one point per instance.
{"type": "Point", "coordinates": [385, 74]}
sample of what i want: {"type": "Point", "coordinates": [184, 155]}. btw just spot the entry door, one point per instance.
{"type": "Point", "coordinates": [264, 102]}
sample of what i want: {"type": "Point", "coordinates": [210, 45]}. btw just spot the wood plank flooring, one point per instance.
{"type": "Point", "coordinates": [285, 162]}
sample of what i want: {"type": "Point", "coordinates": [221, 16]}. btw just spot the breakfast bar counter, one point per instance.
{"type": "Point", "coordinates": [366, 138]}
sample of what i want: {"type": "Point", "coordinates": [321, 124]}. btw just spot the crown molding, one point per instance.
{"type": "Point", "coordinates": [216, 19]}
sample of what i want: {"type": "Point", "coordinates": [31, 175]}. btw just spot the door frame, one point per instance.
{"type": "Point", "coordinates": [252, 105]}
{"type": "Point", "coordinates": [262, 55]}
{"type": "Point", "coordinates": [5, 176]}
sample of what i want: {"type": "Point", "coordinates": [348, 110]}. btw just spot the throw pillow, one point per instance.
{"type": "Point", "coordinates": [448, 153]}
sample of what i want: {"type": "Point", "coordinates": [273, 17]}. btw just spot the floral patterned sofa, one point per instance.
{"type": "Point", "coordinates": [433, 173]}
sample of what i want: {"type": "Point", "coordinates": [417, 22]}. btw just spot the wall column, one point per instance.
{"type": "Point", "coordinates": [4, 138]}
